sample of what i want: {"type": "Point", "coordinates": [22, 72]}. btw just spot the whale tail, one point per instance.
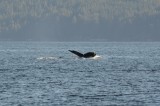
{"type": "Point", "coordinates": [86, 55]}
{"type": "Point", "coordinates": [76, 53]}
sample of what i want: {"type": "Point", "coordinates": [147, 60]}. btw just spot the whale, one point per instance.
{"type": "Point", "coordinates": [81, 55]}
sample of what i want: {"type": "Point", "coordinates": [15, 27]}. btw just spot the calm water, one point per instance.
{"type": "Point", "coordinates": [46, 74]}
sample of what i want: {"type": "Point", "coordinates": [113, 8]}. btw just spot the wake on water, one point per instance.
{"type": "Point", "coordinates": [47, 58]}
{"type": "Point", "coordinates": [97, 57]}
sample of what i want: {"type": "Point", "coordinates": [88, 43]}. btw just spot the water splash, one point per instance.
{"type": "Point", "coordinates": [47, 58]}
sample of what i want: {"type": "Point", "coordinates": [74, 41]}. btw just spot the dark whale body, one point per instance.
{"type": "Point", "coordinates": [86, 55]}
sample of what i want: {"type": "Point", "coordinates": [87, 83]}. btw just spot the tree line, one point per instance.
{"type": "Point", "coordinates": [16, 13]}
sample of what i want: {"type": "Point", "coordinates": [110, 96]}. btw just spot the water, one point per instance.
{"type": "Point", "coordinates": [46, 74]}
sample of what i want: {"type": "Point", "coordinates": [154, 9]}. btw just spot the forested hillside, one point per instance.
{"type": "Point", "coordinates": [17, 14]}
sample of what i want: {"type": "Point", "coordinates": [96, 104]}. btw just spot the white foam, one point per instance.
{"type": "Point", "coordinates": [96, 57]}
{"type": "Point", "coordinates": [46, 58]}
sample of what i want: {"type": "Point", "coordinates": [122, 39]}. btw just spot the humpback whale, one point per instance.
{"type": "Point", "coordinates": [86, 55]}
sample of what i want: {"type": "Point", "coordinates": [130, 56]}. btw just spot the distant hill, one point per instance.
{"type": "Point", "coordinates": [80, 20]}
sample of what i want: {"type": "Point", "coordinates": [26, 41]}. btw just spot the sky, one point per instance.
{"type": "Point", "coordinates": [80, 20]}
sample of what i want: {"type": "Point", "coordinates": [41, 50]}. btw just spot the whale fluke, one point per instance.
{"type": "Point", "coordinates": [86, 55]}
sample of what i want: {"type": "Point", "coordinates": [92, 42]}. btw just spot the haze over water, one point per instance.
{"type": "Point", "coordinates": [46, 74]}
{"type": "Point", "coordinates": [80, 20]}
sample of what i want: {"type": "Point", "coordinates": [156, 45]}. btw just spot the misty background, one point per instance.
{"type": "Point", "coordinates": [79, 20]}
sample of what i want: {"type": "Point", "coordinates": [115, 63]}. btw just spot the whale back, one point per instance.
{"type": "Point", "coordinates": [89, 54]}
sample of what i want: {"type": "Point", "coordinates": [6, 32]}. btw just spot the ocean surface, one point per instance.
{"type": "Point", "coordinates": [47, 74]}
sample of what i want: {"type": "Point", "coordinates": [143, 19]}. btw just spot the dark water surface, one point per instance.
{"type": "Point", "coordinates": [46, 74]}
